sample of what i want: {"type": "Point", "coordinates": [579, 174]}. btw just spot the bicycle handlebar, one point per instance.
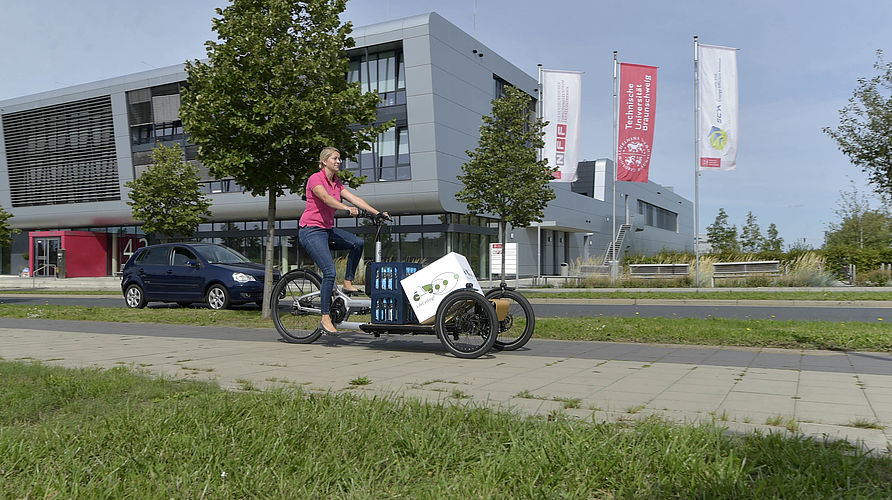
{"type": "Point", "coordinates": [377, 219]}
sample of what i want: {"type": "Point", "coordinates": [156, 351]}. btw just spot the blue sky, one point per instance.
{"type": "Point", "coordinates": [798, 63]}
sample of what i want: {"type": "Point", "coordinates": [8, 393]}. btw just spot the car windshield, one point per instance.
{"type": "Point", "coordinates": [218, 254]}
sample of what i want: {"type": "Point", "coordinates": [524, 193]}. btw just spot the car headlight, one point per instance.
{"type": "Point", "coordinates": [242, 277]}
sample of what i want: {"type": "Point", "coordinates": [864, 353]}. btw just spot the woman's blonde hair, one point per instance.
{"type": "Point", "coordinates": [326, 153]}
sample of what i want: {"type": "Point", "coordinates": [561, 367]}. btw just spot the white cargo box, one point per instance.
{"type": "Point", "coordinates": [431, 284]}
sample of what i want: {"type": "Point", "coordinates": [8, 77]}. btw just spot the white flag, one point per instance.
{"type": "Point", "coordinates": [561, 104]}
{"type": "Point", "coordinates": [719, 133]}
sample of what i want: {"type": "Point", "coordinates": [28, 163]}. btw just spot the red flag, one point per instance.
{"type": "Point", "coordinates": [637, 110]}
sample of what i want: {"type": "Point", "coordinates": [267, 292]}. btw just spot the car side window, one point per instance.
{"type": "Point", "coordinates": [155, 256]}
{"type": "Point", "coordinates": [182, 255]}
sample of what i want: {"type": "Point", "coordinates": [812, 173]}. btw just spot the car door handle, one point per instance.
{"type": "Point", "coordinates": [170, 271]}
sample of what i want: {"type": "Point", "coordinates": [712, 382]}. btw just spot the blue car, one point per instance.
{"type": "Point", "coordinates": [186, 273]}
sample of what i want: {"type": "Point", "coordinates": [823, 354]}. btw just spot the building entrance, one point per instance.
{"type": "Point", "coordinates": [46, 254]}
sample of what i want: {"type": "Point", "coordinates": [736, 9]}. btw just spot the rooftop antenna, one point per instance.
{"type": "Point", "coordinates": [475, 18]}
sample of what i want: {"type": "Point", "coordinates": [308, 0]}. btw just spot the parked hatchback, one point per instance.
{"type": "Point", "coordinates": [186, 273]}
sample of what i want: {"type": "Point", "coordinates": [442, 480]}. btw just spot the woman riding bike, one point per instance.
{"type": "Point", "coordinates": [318, 235]}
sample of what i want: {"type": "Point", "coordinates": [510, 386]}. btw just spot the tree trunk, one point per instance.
{"type": "Point", "coordinates": [270, 254]}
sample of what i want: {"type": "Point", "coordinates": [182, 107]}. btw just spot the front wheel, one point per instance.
{"type": "Point", "coordinates": [466, 324]}
{"type": "Point", "coordinates": [296, 307]}
{"type": "Point", "coordinates": [517, 327]}
{"type": "Point", "coordinates": [218, 297]}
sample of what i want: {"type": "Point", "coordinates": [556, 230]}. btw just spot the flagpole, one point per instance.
{"type": "Point", "coordinates": [541, 110]}
{"type": "Point", "coordinates": [613, 270]}
{"type": "Point", "coordinates": [697, 161]}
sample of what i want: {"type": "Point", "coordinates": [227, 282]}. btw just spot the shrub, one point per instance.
{"type": "Point", "coordinates": [876, 277]}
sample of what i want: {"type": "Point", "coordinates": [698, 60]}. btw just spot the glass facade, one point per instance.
{"type": "Point", "coordinates": [655, 216]}
{"type": "Point", "coordinates": [423, 238]}
{"type": "Point", "coordinates": [153, 116]}
{"type": "Point", "coordinates": [383, 71]}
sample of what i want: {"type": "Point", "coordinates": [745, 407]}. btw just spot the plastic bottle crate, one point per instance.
{"type": "Point", "coordinates": [389, 303]}
{"type": "Point", "coordinates": [391, 308]}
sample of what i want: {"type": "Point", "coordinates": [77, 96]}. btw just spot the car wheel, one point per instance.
{"type": "Point", "coordinates": [218, 297]}
{"type": "Point", "coordinates": [135, 297]}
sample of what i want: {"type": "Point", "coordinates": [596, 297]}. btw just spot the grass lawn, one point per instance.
{"type": "Point", "coordinates": [88, 433]}
{"type": "Point", "coordinates": [873, 336]}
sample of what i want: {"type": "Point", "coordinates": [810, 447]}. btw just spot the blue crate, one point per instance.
{"type": "Point", "coordinates": [389, 303]}
{"type": "Point", "coordinates": [392, 308]}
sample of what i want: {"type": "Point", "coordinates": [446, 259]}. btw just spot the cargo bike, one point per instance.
{"type": "Point", "coordinates": [467, 322]}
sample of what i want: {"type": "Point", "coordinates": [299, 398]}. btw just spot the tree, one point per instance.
{"type": "Point", "coordinates": [502, 175]}
{"type": "Point", "coordinates": [272, 95]}
{"type": "Point", "coordinates": [864, 134]}
{"type": "Point", "coordinates": [751, 239]}
{"type": "Point", "coordinates": [773, 242]}
{"type": "Point", "coordinates": [859, 225]}
{"type": "Point", "coordinates": [166, 197]}
{"type": "Point", "coordinates": [6, 231]}
{"type": "Point", "coordinates": [722, 238]}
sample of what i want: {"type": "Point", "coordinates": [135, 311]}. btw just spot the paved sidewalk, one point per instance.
{"type": "Point", "coordinates": [817, 393]}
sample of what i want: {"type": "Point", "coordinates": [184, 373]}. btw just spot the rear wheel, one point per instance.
{"type": "Point", "coordinates": [517, 327]}
{"type": "Point", "coordinates": [466, 324]}
{"type": "Point", "coordinates": [294, 299]}
{"type": "Point", "coordinates": [218, 297]}
{"type": "Point", "coordinates": [135, 297]}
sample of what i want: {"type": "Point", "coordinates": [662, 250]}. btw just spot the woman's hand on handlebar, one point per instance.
{"type": "Point", "coordinates": [354, 212]}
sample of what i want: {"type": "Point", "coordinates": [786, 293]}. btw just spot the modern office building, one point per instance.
{"type": "Point", "coordinates": [65, 156]}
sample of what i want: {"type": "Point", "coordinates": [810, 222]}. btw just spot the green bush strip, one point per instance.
{"type": "Point", "coordinates": [714, 295]}
{"type": "Point", "coordinates": [117, 434]}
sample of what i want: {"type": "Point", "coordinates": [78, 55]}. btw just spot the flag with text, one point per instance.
{"type": "Point", "coordinates": [637, 110]}
{"type": "Point", "coordinates": [561, 107]}
{"type": "Point", "coordinates": [718, 132]}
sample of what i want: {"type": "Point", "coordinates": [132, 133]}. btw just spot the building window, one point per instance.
{"type": "Point", "coordinates": [153, 114]}
{"type": "Point", "coordinates": [388, 160]}
{"type": "Point", "coordinates": [655, 216]}
{"type": "Point", "coordinates": [381, 72]}
{"type": "Point", "coordinates": [499, 85]}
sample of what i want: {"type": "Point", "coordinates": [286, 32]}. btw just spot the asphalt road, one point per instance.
{"type": "Point", "coordinates": [568, 309]}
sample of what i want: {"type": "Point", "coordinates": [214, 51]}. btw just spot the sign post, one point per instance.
{"type": "Point", "coordinates": [495, 260]}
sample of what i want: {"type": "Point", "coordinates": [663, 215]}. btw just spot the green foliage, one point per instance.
{"type": "Point", "coordinates": [864, 133]}
{"type": "Point", "coordinates": [6, 231]}
{"type": "Point", "coordinates": [865, 259]}
{"type": "Point", "coordinates": [502, 175]}
{"type": "Point", "coordinates": [751, 239]}
{"type": "Point", "coordinates": [772, 242]}
{"type": "Point", "coordinates": [167, 197]}
{"type": "Point", "coordinates": [875, 277]}
{"type": "Point", "coordinates": [860, 225]}
{"type": "Point", "coordinates": [273, 94]}
{"type": "Point", "coordinates": [722, 237]}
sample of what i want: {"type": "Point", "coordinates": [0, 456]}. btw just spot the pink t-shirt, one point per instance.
{"type": "Point", "coordinates": [318, 214]}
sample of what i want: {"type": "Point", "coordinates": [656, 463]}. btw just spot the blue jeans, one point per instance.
{"type": "Point", "coordinates": [319, 243]}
